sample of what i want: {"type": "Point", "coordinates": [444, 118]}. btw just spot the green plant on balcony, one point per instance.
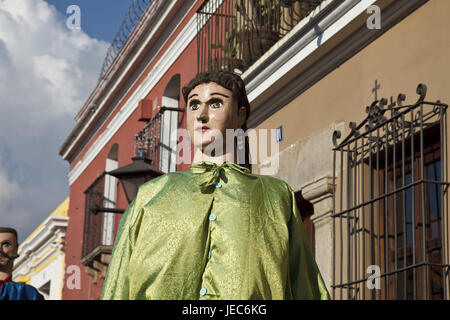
{"type": "Point", "coordinates": [259, 14]}
{"type": "Point", "coordinates": [229, 49]}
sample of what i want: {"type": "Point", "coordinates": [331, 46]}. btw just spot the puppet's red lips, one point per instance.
{"type": "Point", "coordinates": [202, 129]}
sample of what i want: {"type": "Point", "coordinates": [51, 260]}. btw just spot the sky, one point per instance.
{"type": "Point", "coordinates": [47, 71]}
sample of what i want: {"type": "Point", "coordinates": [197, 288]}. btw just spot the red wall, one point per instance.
{"type": "Point", "coordinates": [186, 66]}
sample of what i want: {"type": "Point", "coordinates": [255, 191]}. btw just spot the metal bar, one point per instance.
{"type": "Point", "coordinates": [96, 210]}
{"type": "Point", "coordinates": [208, 41]}
{"type": "Point", "coordinates": [445, 216]}
{"type": "Point", "coordinates": [385, 201]}
{"type": "Point", "coordinates": [199, 39]}
{"type": "Point", "coordinates": [378, 207]}
{"type": "Point", "coordinates": [412, 266]}
{"type": "Point", "coordinates": [394, 197]}
{"type": "Point", "coordinates": [163, 108]}
{"type": "Point", "coordinates": [334, 225]}
{"type": "Point", "coordinates": [217, 33]}
{"type": "Point", "coordinates": [340, 223]}
{"type": "Point", "coordinates": [349, 269]}
{"type": "Point", "coordinates": [372, 253]}
{"type": "Point", "coordinates": [419, 181]}
{"type": "Point", "coordinates": [202, 42]}
{"type": "Point", "coordinates": [443, 219]}
{"type": "Point", "coordinates": [405, 275]}
{"type": "Point", "coordinates": [355, 186]}
{"type": "Point", "coordinates": [422, 164]}
{"type": "Point", "coordinates": [413, 205]}
{"type": "Point", "coordinates": [363, 220]}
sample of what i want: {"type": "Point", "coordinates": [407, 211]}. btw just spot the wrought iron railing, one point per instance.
{"type": "Point", "coordinates": [390, 220]}
{"type": "Point", "coordinates": [134, 13]}
{"type": "Point", "coordinates": [152, 141]}
{"type": "Point", "coordinates": [233, 34]}
{"type": "Point", "coordinates": [96, 209]}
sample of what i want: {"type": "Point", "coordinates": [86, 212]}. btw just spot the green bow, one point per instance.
{"type": "Point", "coordinates": [214, 171]}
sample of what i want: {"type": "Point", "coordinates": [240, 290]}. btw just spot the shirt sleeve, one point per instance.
{"type": "Point", "coordinates": [117, 284]}
{"type": "Point", "coordinates": [305, 278]}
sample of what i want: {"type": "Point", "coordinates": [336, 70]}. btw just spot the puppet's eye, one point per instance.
{"type": "Point", "coordinates": [194, 105]}
{"type": "Point", "coordinates": [6, 244]}
{"type": "Point", "coordinates": [216, 104]}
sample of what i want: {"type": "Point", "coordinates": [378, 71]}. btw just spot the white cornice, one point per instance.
{"type": "Point", "coordinates": [50, 228]}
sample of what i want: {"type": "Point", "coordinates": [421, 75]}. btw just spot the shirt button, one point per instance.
{"type": "Point", "coordinates": [212, 217]}
{"type": "Point", "coordinates": [202, 291]}
{"type": "Point", "coordinates": [218, 185]}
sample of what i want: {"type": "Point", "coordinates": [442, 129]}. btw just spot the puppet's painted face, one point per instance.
{"type": "Point", "coordinates": [211, 107]}
{"type": "Point", "coordinates": [8, 249]}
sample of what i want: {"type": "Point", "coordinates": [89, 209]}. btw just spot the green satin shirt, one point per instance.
{"type": "Point", "coordinates": [214, 232]}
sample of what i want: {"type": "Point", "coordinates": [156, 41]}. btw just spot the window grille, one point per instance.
{"type": "Point", "coordinates": [158, 136]}
{"type": "Point", "coordinates": [95, 207]}
{"type": "Point", "coordinates": [390, 203]}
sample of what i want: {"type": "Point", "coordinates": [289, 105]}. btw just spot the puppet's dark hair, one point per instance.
{"type": "Point", "coordinates": [9, 230]}
{"type": "Point", "coordinates": [226, 79]}
{"type": "Point", "coordinates": [234, 83]}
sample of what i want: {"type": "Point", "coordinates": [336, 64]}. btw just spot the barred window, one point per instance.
{"type": "Point", "coordinates": [390, 220]}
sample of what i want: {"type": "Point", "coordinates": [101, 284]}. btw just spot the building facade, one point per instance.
{"type": "Point", "coordinates": [41, 261]}
{"type": "Point", "coordinates": [335, 85]}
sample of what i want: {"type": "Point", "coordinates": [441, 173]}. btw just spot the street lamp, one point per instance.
{"type": "Point", "coordinates": [132, 176]}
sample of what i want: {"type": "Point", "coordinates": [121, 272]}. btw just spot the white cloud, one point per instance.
{"type": "Point", "coordinates": [8, 189]}
{"type": "Point", "coordinates": [47, 71]}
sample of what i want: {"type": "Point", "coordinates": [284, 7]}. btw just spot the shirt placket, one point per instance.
{"type": "Point", "coordinates": [206, 289]}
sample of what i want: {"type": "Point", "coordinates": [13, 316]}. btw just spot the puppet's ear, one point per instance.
{"type": "Point", "coordinates": [242, 116]}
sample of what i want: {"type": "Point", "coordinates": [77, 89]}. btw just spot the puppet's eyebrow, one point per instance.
{"type": "Point", "coordinates": [220, 94]}
{"type": "Point", "coordinates": [214, 93]}
{"type": "Point", "coordinates": [194, 94]}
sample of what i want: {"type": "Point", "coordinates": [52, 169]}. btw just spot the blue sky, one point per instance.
{"type": "Point", "coordinates": [100, 19]}
{"type": "Point", "coordinates": [47, 71]}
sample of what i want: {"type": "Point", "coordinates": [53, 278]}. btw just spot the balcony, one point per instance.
{"type": "Point", "coordinates": [98, 226]}
{"type": "Point", "coordinates": [233, 34]}
{"type": "Point", "coordinates": [157, 141]}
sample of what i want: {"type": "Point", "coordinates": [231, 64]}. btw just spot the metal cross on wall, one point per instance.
{"type": "Point", "coordinates": [375, 89]}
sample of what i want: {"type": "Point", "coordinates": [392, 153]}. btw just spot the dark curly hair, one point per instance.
{"type": "Point", "coordinates": [9, 230]}
{"type": "Point", "coordinates": [234, 83]}
{"type": "Point", "coordinates": [226, 79]}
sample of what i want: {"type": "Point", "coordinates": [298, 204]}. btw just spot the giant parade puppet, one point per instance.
{"type": "Point", "coordinates": [216, 231]}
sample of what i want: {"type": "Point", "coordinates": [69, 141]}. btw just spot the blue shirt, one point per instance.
{"type": "Point", "coordinates": [19, 291]}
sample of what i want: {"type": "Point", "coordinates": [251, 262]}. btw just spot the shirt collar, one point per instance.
{"type": "Point", "coordinates": [200, 167]}
{"type": "Point", "coordinates": [213, 172]}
